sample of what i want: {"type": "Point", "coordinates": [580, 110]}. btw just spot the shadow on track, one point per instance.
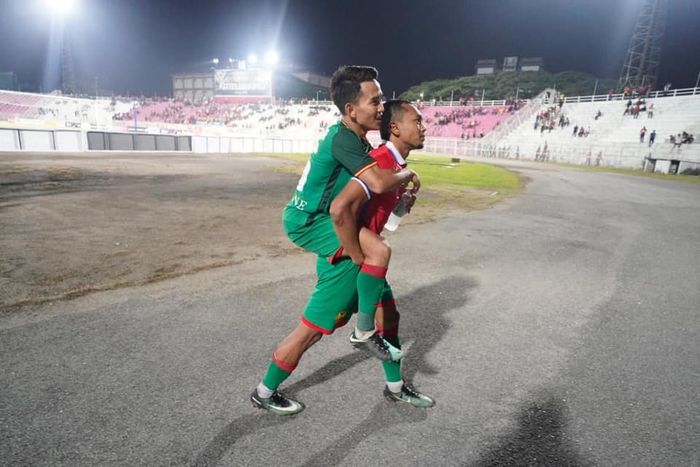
{"type": "Point", "coordinates": [423, 322]}
{"type": "Point", "coordinates": [539, 438]}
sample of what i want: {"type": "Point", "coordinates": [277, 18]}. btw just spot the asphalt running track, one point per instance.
{"type": "Point", "coordinates": [559, 328]}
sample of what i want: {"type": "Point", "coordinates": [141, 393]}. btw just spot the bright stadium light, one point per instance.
{"type": "Point", "coordinates": [252, 58]}
{"type": "Point", "coordinates": [271, 58]}
{"type": "Point", "coordinates": [215, 61]}
{"type": "Point", "coordinates": [61, 7]}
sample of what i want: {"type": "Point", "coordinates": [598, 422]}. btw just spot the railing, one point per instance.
{"type": "Point", "coordinates": [554, 94]}
{"type": "Point", "coordinates": [582, 99]}
{"type": "Point", "coordinates": [618, 97]}
{"type": "Point", "coordinates": [604, 154]}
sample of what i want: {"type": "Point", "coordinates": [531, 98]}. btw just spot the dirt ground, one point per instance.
{"type": "Point", "coordinates": [75, 223]}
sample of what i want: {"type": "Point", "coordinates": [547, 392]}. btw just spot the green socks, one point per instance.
{"type": "Point", "coordinates": [392, 370]}
{"type": "Point", "coordinates": [370, 285]}
{"type": "Point", "coordinates": [277, 372]}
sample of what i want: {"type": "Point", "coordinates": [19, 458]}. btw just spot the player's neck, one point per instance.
{"type": "Point", "coordinates": [348, 122]}
{"type": "Point", "coordinates": [401, 147]}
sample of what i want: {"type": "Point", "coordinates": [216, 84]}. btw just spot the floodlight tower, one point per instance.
{"type": "Point", "coordinates": [67, 76]}
{"type": "Point", "coordinates": [641, 67]}
{"type": "Point", "coordinates": [61, 10]}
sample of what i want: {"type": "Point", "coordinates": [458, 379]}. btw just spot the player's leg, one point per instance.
{"type": "Point", "coordinates": [284, 361]}
{"type": "Point", "coordinates": [370, 280]}
{"type": "Point", "coordinates": [333, 295]}
{"type": "Point", "coordinates": [370, 284]}
{"type": "Point", "coordinates": [388, 318]}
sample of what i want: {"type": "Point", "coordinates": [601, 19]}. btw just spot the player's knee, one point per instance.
{"type": "Point", "coordinates": [379, 254]}
{"type": "Point", "coordinates": [386, 252]}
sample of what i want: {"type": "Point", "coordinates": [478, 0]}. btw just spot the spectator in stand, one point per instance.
{"type": "Point", "coordinates": [628, 108]}
{"type": "Point", "coordinates": [610, 94]}
{"type": "Point", "coordinates": [677, 140]}
{"type": "Point", "coordinates": [598, 115]}
{"type": "Point", "coordinates": [635, 110]}
{"type": "Point", "coordinates": [575, 130]}
{"type": "Point", "coordinates": [652, 137]}
{"type": "Point", "coordinates": [642, 133]}
{"type": "Point", "coordinates": [650, 111]}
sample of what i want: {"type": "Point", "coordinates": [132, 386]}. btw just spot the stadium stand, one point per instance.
{"type": "Point", "coordinates": [243, 118]}
{"type": "Point", "coordinates": [54, 109]}
{"type": "Point", "coordinates": [464, 122]}
{"type": "Point", "coordinates": [607, 132]}
{"type": "Point", "coordinates": [608, 128]}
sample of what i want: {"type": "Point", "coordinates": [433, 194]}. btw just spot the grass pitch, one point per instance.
{"type": "Point", "coordinates": [446, 186]}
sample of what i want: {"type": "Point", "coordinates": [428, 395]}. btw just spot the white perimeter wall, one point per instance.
{"type": "Point", "coordinates": [9, 140]}
{"type": "Point", "coordinates": [12, 139]}
{"type": "Point", "coordinates": [41, 140]}
{"type": "Point", "coordinates": [68, 140]}
{"type": "Point", "coordinates": [37, 140]}
{"type": "Point", "coordinates": [215, 144]}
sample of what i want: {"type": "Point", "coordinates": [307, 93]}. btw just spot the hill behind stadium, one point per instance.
{"type": "Point", "coordinates": [505, 85]}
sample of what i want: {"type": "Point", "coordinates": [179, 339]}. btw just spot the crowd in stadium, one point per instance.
{"type": "Point", "coordinates": [210, 112]}
{"type": "Point", "coordinates": [464, 119]}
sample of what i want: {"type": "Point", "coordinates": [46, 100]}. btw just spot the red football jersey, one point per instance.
{"type": "Point", "coordinates": [376, 211]}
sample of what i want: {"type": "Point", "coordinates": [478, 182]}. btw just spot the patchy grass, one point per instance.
{"type": "Point", "coordinates": [446, 186]}
{"type": "Point", "coordinates": [440, 173]}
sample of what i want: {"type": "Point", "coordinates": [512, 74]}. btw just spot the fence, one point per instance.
{"type": "Point", "coordinates": [109, 141]}
{"type": "Point", "coordinates": [608, 155]}
{"type": "Point", "coordinates": [14, 139]}
{"type": "Point", "coordinates": [76, 141]}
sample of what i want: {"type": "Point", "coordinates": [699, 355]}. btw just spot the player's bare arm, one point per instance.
{"type": "Point", "coordinates": [343, 211]}
{"type": "Point", "coordinates": [384, 180]}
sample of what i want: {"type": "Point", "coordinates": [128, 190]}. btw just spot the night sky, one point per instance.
{"type": "Point", "coordinates": [134, 45]}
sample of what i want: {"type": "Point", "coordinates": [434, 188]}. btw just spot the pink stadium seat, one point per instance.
{"type": "Point", "coordinates": [456, 121]}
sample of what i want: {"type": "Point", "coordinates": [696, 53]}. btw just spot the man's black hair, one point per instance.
{"type": "Point", "coordinates": [345, 84]}
{"type": "Point", "coordinates": [393, 112]}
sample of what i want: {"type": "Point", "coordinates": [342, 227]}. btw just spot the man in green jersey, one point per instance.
{"type": "Point", "coordinates": [341, 157]}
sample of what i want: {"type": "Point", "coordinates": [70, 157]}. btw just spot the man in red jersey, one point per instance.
{"type": "Point", "coordinates": [402, 129]}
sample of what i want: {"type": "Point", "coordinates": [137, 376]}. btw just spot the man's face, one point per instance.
{"type": "Point", "coordinates": [367, 111]}
{"type": "Point", "coordinates": [410, 127]}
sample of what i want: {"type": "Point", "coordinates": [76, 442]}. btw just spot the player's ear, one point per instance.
{"type": "Point", "coordinates": [395, 130]}
{"type": "Point", "coordinates": [350, 109]}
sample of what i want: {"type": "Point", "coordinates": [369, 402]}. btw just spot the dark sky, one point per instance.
{"type": "Point", "coordinates": [134, 45]}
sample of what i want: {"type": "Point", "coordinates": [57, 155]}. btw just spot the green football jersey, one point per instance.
{"type": "Point", "coordinates": [341, 155]}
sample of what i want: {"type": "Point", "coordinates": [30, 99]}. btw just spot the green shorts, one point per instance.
{"type": "Point", "coordinates": [317, 236]}
{"type": "Point", "coordinates": [334, 300]}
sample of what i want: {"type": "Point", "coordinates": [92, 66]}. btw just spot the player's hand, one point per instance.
{"type": "Point", "coordinates": [415, 182]}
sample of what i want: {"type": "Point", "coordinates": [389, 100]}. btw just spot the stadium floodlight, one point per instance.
{"type": "Point", "coordinates": [271, 57]}
{"type": "Point", "coordinates": [252, 58]}
{"type": "Point", "coordinates": [61, 7]}
{"type": "Point", "coordinates": [215, 61]}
